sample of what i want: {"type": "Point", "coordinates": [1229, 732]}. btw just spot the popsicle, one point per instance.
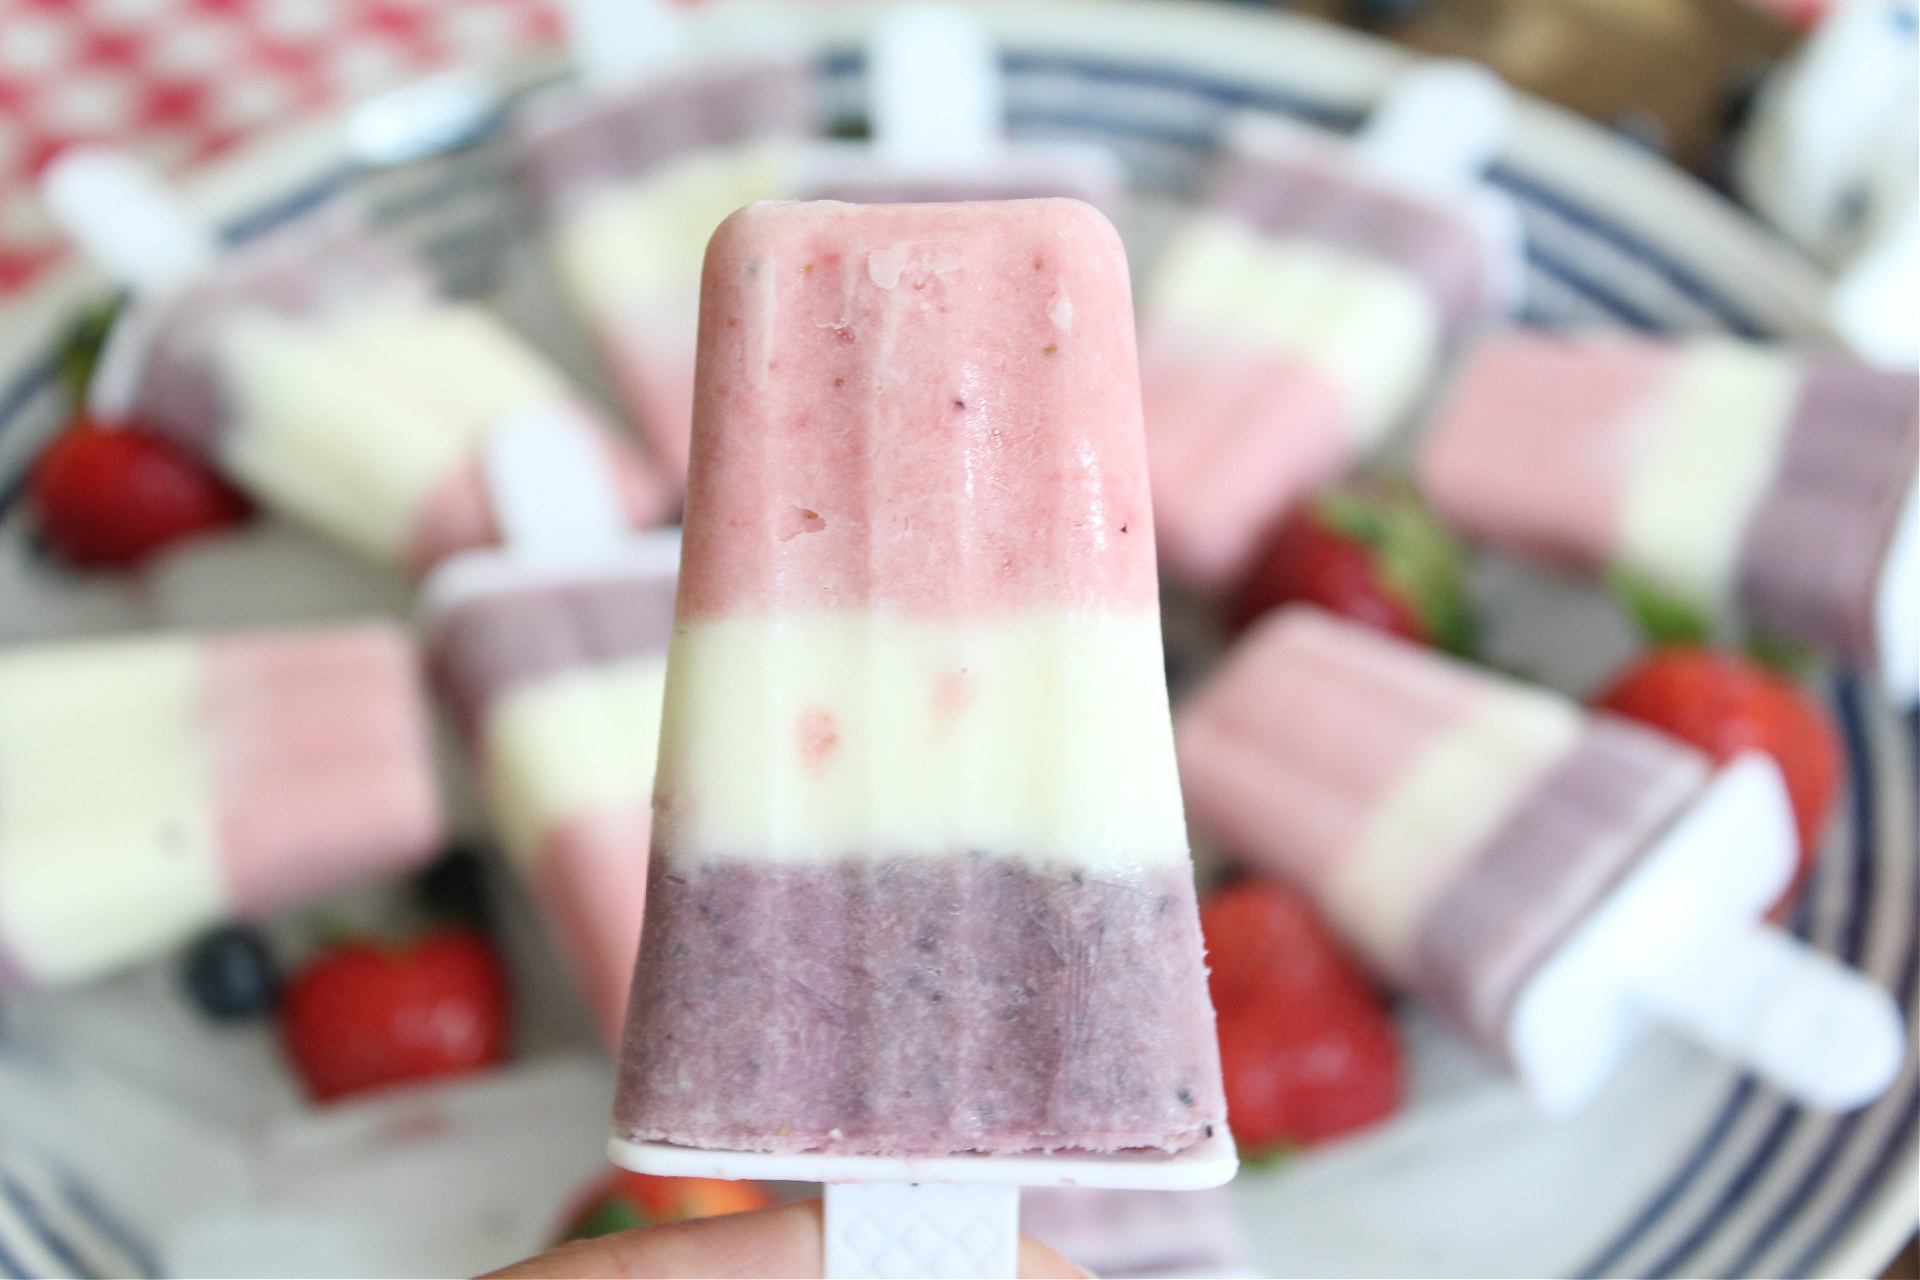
{"type": "Point", "coordinates": [153, 785]}
{"type": "Point", "coordinates": [633, 168]}
{"type": "Point", "coordinates": [1296, 318]}
{"type": "Point", "coordinates": [1552, 881]}
{"type": "Point", "coordinates": [1742, 480]}
{"type": "Point", "coordinates": [920, 907]}
{"type": "Point", "coordinates": [552, 653]}
{"type": "Point", "coordinates": [316, 366]}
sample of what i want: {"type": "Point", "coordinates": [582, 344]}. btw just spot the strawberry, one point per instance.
{"type": "Point", "coordinates": [623, 1200]}
{"type": "Point", "coordinates": [360, 1016]}
{"type": "Point", "coordinates": [1725, 703]}
{"type": "Point", "coordinates": [1370, 552]}
{"type": "Point", "coordinates": [110, 498]}
{"type": "Point", "coordinates": [1306, 1046]}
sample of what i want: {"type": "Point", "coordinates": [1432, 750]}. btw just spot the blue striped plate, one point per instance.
{"type": "Point", "coordinates": [1684, 1167]}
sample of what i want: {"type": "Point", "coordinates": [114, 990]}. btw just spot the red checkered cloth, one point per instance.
{"type": "Point", "coordinates": [177, 81]}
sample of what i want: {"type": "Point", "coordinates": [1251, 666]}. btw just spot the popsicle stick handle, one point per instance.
{"type": "Point", "coordinates": [921, 1229]}
{"type": "Point", "coordinates": [1440, 124]}
{"type": "Point", "coordinates": [1806, 1023]}
{"type": "Point", "coordinates": [125, 218]}
{"type": "Point", "coordinates": [1896, 608]}
{"type": "Point", "coordinates": [552, 492]}
{"type": "Point", "coordinates": [615, 40]}
{"type": "Point", "coordinates": [933, 88]}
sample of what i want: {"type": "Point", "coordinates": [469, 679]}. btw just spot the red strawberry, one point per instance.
{"type": "Point", "coordinates": [623, 1200]}
{"type": "Point", "coordinates": [1368, 552]}
{"type": "Point", "coordinates": [1725, 703]}
{"type": "Point", "coordinates": [360, 1016]}
{"type": "Point", "coordinates": [110, 498]}
{"type": "Point", "coordinates": [1306, 1046]}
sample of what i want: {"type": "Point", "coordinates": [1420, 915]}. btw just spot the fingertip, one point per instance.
{"type": "Point", "coordinates": [1041, 1263]}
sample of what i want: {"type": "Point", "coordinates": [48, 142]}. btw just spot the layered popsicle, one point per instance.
{"type": "Point", "coordinates": [631, 180]}
{"type": "Point", "coordinates": [316, 366]}
{"type": "Point", "coordinates": [555, 675]}
{"type": "Point", "coordinates": [1301, 311]}
{"type": "Point", "coordinates": [1547, 878]}
{"type": "Point", "coordinates": [154, 785]}
{"type": "Point", "coordinates": [920, 881]}
{"type": "Point", "coordinates": [1732, 477]}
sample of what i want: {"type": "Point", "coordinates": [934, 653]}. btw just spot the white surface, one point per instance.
{"type": "Point", "coordinates": [909, 1229]}
{"type": "Point", "coordinates": [616, 40]}
{"type": "Point", "coordinates": [1209, 1163]}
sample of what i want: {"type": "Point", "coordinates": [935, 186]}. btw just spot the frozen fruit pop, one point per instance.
{"type": "Point", "coordinates": [151, 786]}
{"type": "Point", "coordinates": [1736, 478]}
{"type": "Point", "coordinates": [317, 367]}
{"type": "Point", "coordinates": [1551, 880]}
{"type": "Point", "coordinates": [1296, 317]}
{"type": "Point", "coordinates": [936, 106]}
{"type": "Point", "coordinates": [552, 654]}
{"type": "Point", "coordinates": [920, 881]}
{"type": "Point", "coordinates": [633, 168]}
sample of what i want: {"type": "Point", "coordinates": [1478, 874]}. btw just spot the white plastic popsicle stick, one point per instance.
{"type": "Point", "coordinates": [1872, 305]}
{"type": "Point", "coordinates": [907, 1185]}
{"type": "Point", "coordinates": [1439, 126]}
{"type": "Point", "coordinates": [552, 495]}
{"type": "Point", "coordinates": [126, 219]}
{"type": "Point", "coordinates": [1680, 941]}
{"type": "Point", "coordinates": [421, 118]}
{"type": "Point", "coordinates": [1800, 1019]}
{"type": "Point", "coordinates": [933, 88]}
{"type": "Point", "coordinates": [1896, 613]}
{"type": "Point", "coordinates": [921, 1229]}
{"type": "Point", "coordinates": [615, 40]}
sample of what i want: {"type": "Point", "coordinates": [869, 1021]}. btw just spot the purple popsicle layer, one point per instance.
{"type": "Point", "coordinates": [919, 1005]}
{"type": "Point", "coordinates": [1812, 556]}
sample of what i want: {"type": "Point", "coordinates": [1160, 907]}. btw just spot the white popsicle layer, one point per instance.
{"type": "Point", "coordinates": [814, 738]}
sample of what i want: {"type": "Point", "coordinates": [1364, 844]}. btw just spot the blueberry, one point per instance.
{"type": "Point", "coordinates": [229, 973]}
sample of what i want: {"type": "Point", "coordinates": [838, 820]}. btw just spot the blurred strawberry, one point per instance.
{"type": "Point", "coordinates": [110, 498]}
{"type": "Point", "coordinates": [1370, 552]}
{"type": "Point", "coordinates": [1306, 1046]}
{"type": "Point", "coordinates": [623, 1200]}
{"type": "Point", "coordinates": [1725, 703]}
{"type": "Point", "coordinates": [361, 1015]}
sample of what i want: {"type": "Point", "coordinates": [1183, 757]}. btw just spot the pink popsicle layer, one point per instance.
{"type": "Point", "coordinates": [320, 754]}
{"type": "Point", "coordinates": [877, 401]}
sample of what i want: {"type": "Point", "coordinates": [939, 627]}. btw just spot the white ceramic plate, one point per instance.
{"type": "Point", "coordinates": [1683, 1166]}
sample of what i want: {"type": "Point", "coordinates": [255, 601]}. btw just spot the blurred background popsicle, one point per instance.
{"type": "Point", "coordinates": [154, 785]}
{"type": "Point", "coordinates": [920, 884]}
{"type": "Point", "coordinates": [1552, 881]}
{"type": "Point", "coordinates": [316, 366]}
{"type": "Point", "coordinates": [552, 652]}
{"type": "Point", "coordinates": [1714, 476]}
{"type": "Point", "coordinates": [633, 168]}
{"type": "Point", "coordinates": [1301, 311]}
